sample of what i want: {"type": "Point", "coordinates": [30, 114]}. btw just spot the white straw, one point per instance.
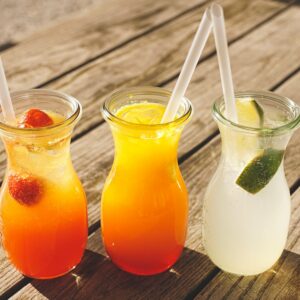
{"type": "Point", "coordinates": [5, 100]}
{"type": "Point", "coordinates": [188, 68]}
{"type": "Point", "coordinates": [224, 62]}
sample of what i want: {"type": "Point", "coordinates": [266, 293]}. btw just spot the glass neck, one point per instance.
{"type": "Point", "coordinates": [240, 147]}
{"type": "Point", "coordinates": [157, 147]}
{"type": "Point", "coordinates": [266, 121]}
{"type": "Point", "coordinates": [30, 153]}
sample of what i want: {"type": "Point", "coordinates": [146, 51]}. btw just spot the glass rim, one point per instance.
{"type": "Point", "coordinates": [146, 90]}
{"type": "Point", "coordinates": [290, 125]}
{"type": "Point", "coordinates": [76, 113]}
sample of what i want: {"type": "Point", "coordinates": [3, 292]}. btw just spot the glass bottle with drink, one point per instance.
{"type": "Point", "coordinates": [144, 206]}
{"type": "Point", "coordinates": [247, 203]}
{"type": "Point", "coordinates": [43, 209]}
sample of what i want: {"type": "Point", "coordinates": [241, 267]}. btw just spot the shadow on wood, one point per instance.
{"type": "Point", "coordinates": [98, 278]}
{"type": "Point", "coordinates": [282, 281]}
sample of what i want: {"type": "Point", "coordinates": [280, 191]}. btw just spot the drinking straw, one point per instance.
{"type": "Point", "coordinates": [188, 68]}
{"type": "Point", "coordinates": [5, 100]}
{"type": "Point", "coordinates": [217, 16]}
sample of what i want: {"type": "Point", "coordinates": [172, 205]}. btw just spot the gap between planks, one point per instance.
{"type": "Point", "coordinates": [122, 44]}
{"type": "Point", "coordinates": [230, 42]}
{"type": "Point", "coordinates": [7, 46]}
{"type": "Point", "coordinates": [156, 27]}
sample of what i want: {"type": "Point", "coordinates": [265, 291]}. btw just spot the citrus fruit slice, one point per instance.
{"type": "Point", "coordinates": [249, 113]}
{"type": "Point", "coordinates": [142, 113]}
{"type": "Point", "coordinates": [260, 170]}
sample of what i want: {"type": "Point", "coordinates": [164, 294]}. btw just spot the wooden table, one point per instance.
{"type": "Point", "coordinates": [127, 43]}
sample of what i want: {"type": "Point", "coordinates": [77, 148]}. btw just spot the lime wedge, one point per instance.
{"type": "Point", "coordinates": [260, 170]}
{"type": "Point", "coordinates": [249, 113]}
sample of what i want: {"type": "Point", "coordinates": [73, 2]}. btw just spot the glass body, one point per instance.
{"type": "Point", "coordinates": [45, 239]}
{"type": "Point", "coordinates": [144, 205]}
{"type": "Point", "coordinates": [245, 233]}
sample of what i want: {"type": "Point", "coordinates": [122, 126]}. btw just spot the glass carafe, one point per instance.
{"type": "Point", "coordinates": [144, 206]}
{"type": "Point", "coordinates": [247, 203]}
{"type": "Point", "coordinates": [42, 204]}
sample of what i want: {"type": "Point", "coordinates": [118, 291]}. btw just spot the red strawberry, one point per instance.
{"type": "Point", "coordinates": [35, 118]}
{"type": "Point", "coordinates": [26, 189]}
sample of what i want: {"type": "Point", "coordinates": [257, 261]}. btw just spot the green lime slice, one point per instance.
{"type": "Point", "coordinates": [250, 113]}
{"type": "Point", "coordinates": [260, 170]}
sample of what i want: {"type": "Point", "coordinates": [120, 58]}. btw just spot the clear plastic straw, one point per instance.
{"type": "Point", "coordinates": [217, 16]}
{"type": "Point", "coordinates": [188, 68]}
{"type": "Point", "coordinates": [5, 100]}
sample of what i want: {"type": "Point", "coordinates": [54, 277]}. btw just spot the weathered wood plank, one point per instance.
{"type": "Point", "coordinates": [291, 89]}
{"type": "Point", "coordinates": [16, 25]}
{"type": "Point", "coordinates": [281, 282]}
{"type": "Point", "coordinates": [95, 166]}
{"type": "Point", "coordinates": [140, 62]}
{"type": "Point", "coordinates": [84, 36]}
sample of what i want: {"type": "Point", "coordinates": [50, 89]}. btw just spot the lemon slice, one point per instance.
{"type": "Point", "coordinates": [260, 170]}
{"type": "Point", "coordinates": [142, 113]}
{"type": "Point", "coordinates": [249, 113]}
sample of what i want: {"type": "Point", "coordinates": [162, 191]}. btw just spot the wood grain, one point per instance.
{"type": "Point", "coordinates": [16, 25]}
{"type": "Point", "coordinates": [81, 37]}
{"type": "Point", "coordinates": [93, 165]}
{"type": "Point", "coordinates": [291, 89]}
{"type": "Point", "coordinates": [158, 56]}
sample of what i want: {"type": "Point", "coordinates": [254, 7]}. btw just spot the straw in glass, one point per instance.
{"type": "Point", "coordinates": [188, 68]}
{"type": "Point", "coordinates": [217, 16]}
{"type": "Point", "coordinates": [5, 100]}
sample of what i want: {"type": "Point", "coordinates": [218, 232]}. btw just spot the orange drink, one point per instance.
{"type": "Point", "coordinates": [43, 214]}
{"type": "Point", "coordinates": [144, 204]}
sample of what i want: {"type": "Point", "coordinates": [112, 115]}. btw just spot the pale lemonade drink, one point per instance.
{"type": "Point", "coordinates": [42, 205]}
{"type": "Point", "coordinates": [248, 241]}
{"type": "Point", "coordinates": [247, 203]}
{"type": "Point", "coordinates": [144, 202]}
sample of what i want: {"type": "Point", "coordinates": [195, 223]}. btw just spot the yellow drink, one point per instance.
{"type": "Point", "coordinates": [144, 202]}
